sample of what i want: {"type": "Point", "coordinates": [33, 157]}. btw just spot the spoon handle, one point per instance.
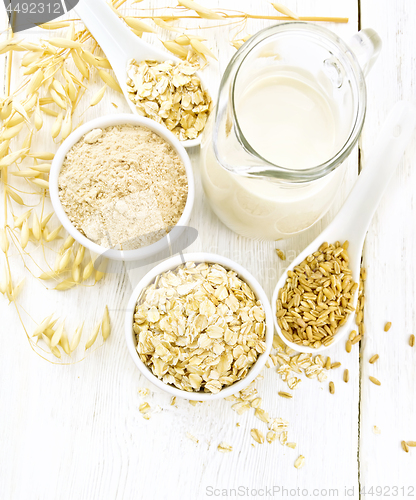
{"type": "Point", "coordinates": [115, 39]}
{"type": "Point", "coordinates": [358, 210]}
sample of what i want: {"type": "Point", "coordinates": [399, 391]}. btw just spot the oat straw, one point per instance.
{"type": "Point", "coordinates": [317, 297]}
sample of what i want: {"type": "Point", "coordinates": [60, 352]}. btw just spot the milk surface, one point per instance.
{"type": "Point", "coordinates": [288, 121]}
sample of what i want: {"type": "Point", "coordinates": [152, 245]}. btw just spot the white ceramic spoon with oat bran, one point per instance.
{"type": "Point", "coordinates": [352, 221]}
{"type": "Point", "coordinates": [120, 45]}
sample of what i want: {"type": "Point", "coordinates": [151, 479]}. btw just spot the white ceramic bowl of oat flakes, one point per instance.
{"type": "Point", "coordinates": [115, 253]}
{"type": "Point", "coordinates": [172, 264]}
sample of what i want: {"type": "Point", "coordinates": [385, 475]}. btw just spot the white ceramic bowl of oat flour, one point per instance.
{"type": "Point", "coordinates": [171, 264]}
{"type": "Point", "coordinates": [143, 252]}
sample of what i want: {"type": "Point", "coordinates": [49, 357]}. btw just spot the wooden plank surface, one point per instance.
{"type": "Point", "coordinates": [389, 257]}
{"type": "Point", "coordinates": [75, 431]}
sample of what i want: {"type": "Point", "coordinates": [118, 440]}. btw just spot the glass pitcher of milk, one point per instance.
{"type": "Point", "coordinates": [290, 109]}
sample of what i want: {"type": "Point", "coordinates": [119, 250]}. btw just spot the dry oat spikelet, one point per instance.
{"type": "Point", "coordinates": [58, 334]}
{"type": "Point", "coordinates": [93, 337]}
{"type": "Point", "coordinates": [98, 96]}
{"type": "Point", "coordinates": [106, 327]}
{"type": "Point", "coordinates": [76, 338]}
{"type": "Point", "coordinates": [199, 9]}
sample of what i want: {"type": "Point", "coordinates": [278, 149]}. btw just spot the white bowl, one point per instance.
{"type": "Point", "coordinates": [108, 121]}
{"type": "Point", "coordinates": [171, 264]}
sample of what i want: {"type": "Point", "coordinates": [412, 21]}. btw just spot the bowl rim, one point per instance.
{"type": "Point", "coordinates": [173, 263]}
{"type": "Point", "coordinates": [104, 122]}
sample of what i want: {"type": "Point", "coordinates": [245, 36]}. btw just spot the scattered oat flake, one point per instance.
{"type": "Point", "coordinates": [291, 445]}
{"type": "Point", "coordinates": [387, 326]}
{"type": "Point", "coordinates": [173, 400]}
{"type": "Point", "coordinates": [300, 462]}
{"type": "Point", "coordinates": [262, 415]}
{"type": "Point", "coordinates": [280, 254]}
{"type": "Point", "coordinates": [224, 447]}
{"type": "Point", "coordinates": [405, 446]}
{"type": "Point", "coordinates": [144, 408]}
{"type": "Point", "coordinates": [271, 436]}
{"type": "Point", "coordinates": [143, 391]}
{"type": "Point", "coordinates": [285, 395]}
{"type": "Point", "coordinates": [194, 403]}
{"type": "Point", "coordinates": [147, 416]}
{"type": "Point", "coordinates": [192, 438]}
{"type": "Point", "coordinates": [376, 430]}
{"type": "Point", "coordinates": [257, 436]}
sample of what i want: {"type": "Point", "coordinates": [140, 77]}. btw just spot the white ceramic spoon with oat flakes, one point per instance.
{"type": "Point", "coordinates": [120, 45]}
{"type": "Point", "coordinates": [352, 221]}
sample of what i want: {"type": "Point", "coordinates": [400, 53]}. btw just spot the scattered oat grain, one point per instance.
{"type": "Point", "coordinates": [374, 380]}
{"type": "Point", "coordinates": [346, 375]}
{"type": "Point", "coordinates": [373, 358]}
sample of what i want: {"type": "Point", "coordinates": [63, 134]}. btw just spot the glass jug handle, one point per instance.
{"type": "Point", "coordinates": [366, 45]}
